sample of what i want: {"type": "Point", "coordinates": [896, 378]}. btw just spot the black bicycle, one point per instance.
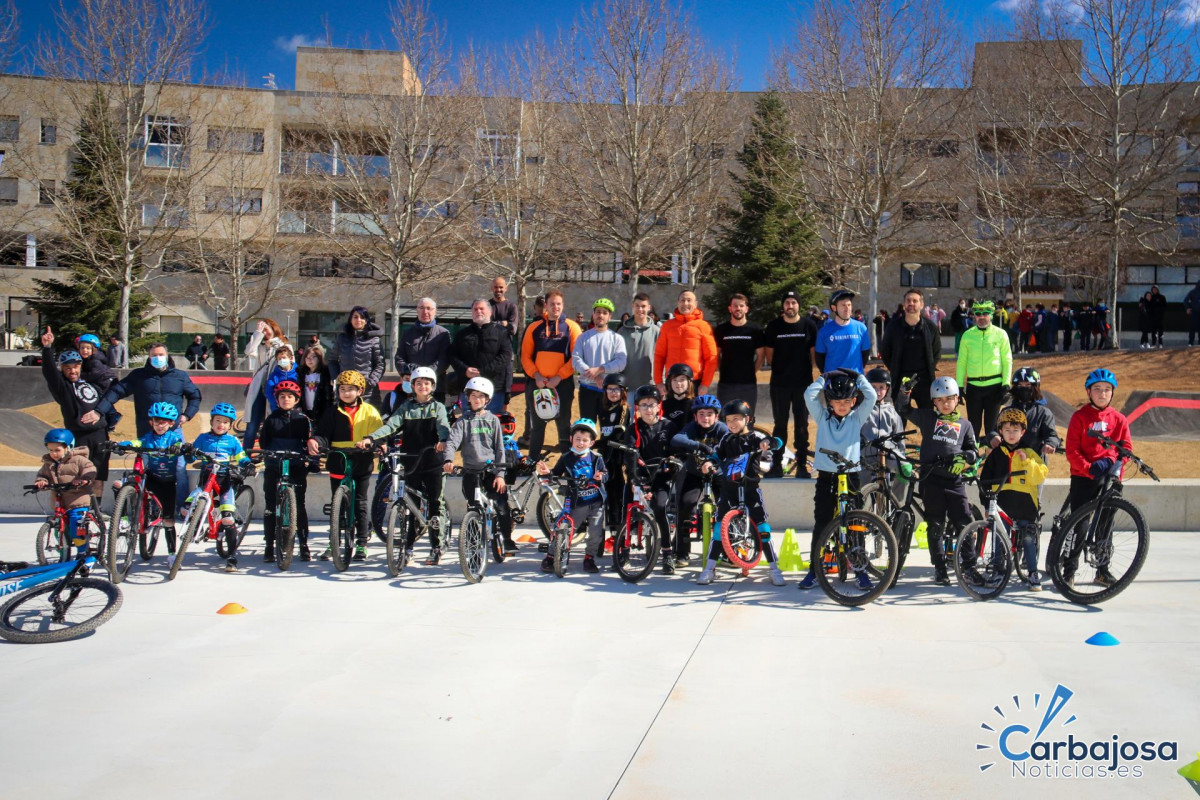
{"type": "Point", "coordinates": [408, 511]}
{"type": "Point", "coordinates": [478, 528]}
{"type": "Point", "coordinates": [286, 507]}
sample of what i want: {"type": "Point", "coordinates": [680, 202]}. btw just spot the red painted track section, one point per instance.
{"type": "Point", "coordinates": [1161, 402]}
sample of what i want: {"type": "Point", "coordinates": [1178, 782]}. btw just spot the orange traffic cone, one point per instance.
{"type": "Point", "coordinates": [525, 538]}
{"type": "Point", "coordinates": [232, 608]}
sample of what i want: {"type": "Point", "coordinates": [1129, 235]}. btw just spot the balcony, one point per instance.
{"type": "Point", "coordinates": [298, 162]}
{"type": "Point", "coordinates": [300, 222]}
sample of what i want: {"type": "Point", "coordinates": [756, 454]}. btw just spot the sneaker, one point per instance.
{"type": "Point", "coordinates": [305, 553]}
{"type": "Point", "coordinates": [803, 474]}
{"type": "Point", "coordinates": [547, 564]}
{"type": "Point", "coordinates": [360, 552]}
{"type": "Point", "coordinates": [328, 554]}
{"type": "Point", "coordinates": [668, 567]}
{"type": "Point", "coordinates": [682, 562]}
{"type": "Point", "coordinates": [510, 547]}
{"type": "Point", "coordinates": [1035, 586]}
{"type": "Point", "coordinates": [231, 565]}
{"type": "Point", "coordinates": [706, 577]}
{"type": "Point", "coordinates": [810, 580]}
{"type": "Point", "coordinates": [777, 577]}
{"type": "Point", "coordinates": [1104, 577]}
{"type": "Point", "coordinates": [940, 577]}
{"type": "Point", "coordinates": [864, 581]}
{"type": "Point", "coordinates": [589, 565]}
{"type": "Point", "coordinates": [435, 557]}
{"type": "Point", "coordinates": [269, 553]}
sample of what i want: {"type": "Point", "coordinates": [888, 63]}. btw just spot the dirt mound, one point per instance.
{"type": "Point", "coordinates": [1163, 415]}
{"type": "Point", "coordinates": [23, 432]}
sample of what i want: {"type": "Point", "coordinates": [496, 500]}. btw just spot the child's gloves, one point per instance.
{"type": "Point", "coordinates": [1100, 466]}
{"type": "Point", "coordinates": [958, 466]}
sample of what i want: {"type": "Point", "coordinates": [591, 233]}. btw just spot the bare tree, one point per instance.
{"type": "Point", "coordinates": [10, 27]}
{"type": "Point", "coordinates": [870, 86]}
{"type": "Point", "coordinates": [641, 92]}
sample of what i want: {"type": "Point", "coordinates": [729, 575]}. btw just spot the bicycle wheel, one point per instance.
{"type": "Point", "coordinates": [46, 614]}
{"type": "Point", "coordinates": [1098, 551]}
{"type": "Point", "coordinates": [197, 517]}
{"type": "Point", "coordinates": [497, 543]}
{"type": "Point", "coordinates": [243, 501]}
{"type": "Point", "coordinates": [285, 528]}
{"type": "Point", "coordinates": [50, 544]}
{"type": "Point", "coordinates": [861, 575]}
{"type": "Point", "coordinates": [875, 498]}
{"type": "Point", "coordinates": [549, 506]}
{"type": "Point", "coordinates": [740, 541]}
{"type": "Point", "coordinates": [1020, 563]}
{"type": "Point", "coordinates": [395, 538]}
{"type": "Point", "coordinates": [635, 550]}
{"type": "Point", "coordinates": [902, 527]}
{"type": "Point", "coordinates": [561, 546]}
{"type": "Point", "coordinates": [380, 499]}
{"type": "Point", "coordinates": [472, 549]}
{"type": "Point", "coordinates": [148, 542]}
{"type": "Point", "coordinates": [341, 529]}
{"type": "Point", "coordinates": [123, 529]}
{"type": "Point", "coordinates": [982, 560]}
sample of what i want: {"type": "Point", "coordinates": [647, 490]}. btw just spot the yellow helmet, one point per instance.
{"type": "Point", "coordinates": [352, 377]}
{"type": "Point", "coordinates": [1012, 415]}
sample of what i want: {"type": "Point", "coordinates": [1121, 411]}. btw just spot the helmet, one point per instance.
{"type": "Point", "coordinates": [545, 404]}
{"type": "Point", "coordinates": [706, 401]}
{"type": "Point", "coordinates": [476, 384]}
{"type": "Point", "coordinates": [615, 379]}
{"type": "Point", "coordinates": [69, 357]}
{"type": "Point", "coordinates": [840, 386]}
{"type": "Point", "coordinates": [983, 307]}
{"type": "Point", "coordinates": [287, 386]}
{"type": "Point", "coordinates": [1012, 415]}
{"type": "Point", "coordinates": [224, 410]}
{"type": "Point", "coordinates": [606, 304]}
{"type": "Point", "coordinates": [839, 295]}
{"type": "Point", "coordinates": [585, 424]}
{"type": "Point", "coordinates": [352, 377]}
{"type": "Point", "coordinates": [879, 375]}
{"type": "Point", "coordinates": [944, 386]}
{"type": "Point", "coordinates": [680, 369]}
{"type": "Point", "coordinates": [1100, 376]}
{"type": "Point", "coordinates": [738, 407]}
{"type": "Point", "coordinates": [165, 411]}
{"type": "Point", "coordinates": [649, 390]}
{"type": "Point", "coordinates": [508, 424]}
{"type": "Point", "coordinates": [88, 338]}
{"type": "Point", "coordinates": [1027, 375]}
{"type": "Point", "coordinates": [425, 372]}
{"type": "Point", "coordinates": [59, 436]}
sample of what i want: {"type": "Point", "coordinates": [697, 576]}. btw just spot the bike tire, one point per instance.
{"type": "Point", "coordinates": [395, 539]}
{"type": "Point", "coordinates": [341, 533]}
{"type": "Point", "coordinates": [564, 532]}
{"type": "Point", "coordinates": [380, 500]}
{"type": "Point", "coordinates": [100, 610]}
{"type": "Point", "coordinates": [876, 500]}
{"type": "Point", "coordinates": [547, 513]}
{"type": "Point", "coordinates": [148, 542]}
{"type": "Point", "coordinates": [642, 538]}
{"type": "Point", "coordinates": [1081, 517]}
{"type": "Point", "coordinates": [497, 544]}
{"type": "Point", "coordinates": [285, 528]}
{"type": "Point", "coordinates": [903, 525]}
{"type": "Point", "coordinates": [1020, 565]}
{"type": "Point", "coordinates": [842, 590]}
{"type": "Point", "coordinates": [472, 549]}
{"type": "Point", "coordinates": [50, 542]}
{"type": "Point", "coordinates": [124, 529]}
{"type": "Point", "coordinates": [243, 499]}
{"type": "Point", "coordinates": [740, 541]}
{"type": "Point", "coordinates": [996, 570]}
{"type": "Point", "coordinates": [195, 520]}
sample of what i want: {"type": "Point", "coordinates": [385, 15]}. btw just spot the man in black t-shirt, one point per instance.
{"type": "Point", "coordinates": [740, 346]}
{"type": "Point", "coordinates": [790, 340]}
{"type": "Point", "coordinates": [911, 346]}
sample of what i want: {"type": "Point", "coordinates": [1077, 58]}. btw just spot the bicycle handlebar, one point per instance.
{"type": "Point", "coordinates": [33, 488]}
{"type": "Point", "coordinates": [1124, 452]}
{"type": "Point", "coordinates": [258, 454]}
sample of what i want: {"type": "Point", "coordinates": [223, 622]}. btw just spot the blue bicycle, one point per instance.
{"type": "Point", "coordinates": [54, 603]}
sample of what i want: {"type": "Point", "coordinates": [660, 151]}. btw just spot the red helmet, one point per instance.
{"type": "Point", "coordinates": [287, 386]}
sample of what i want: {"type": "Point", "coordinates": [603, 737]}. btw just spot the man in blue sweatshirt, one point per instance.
{"type": "Point", "coordinates": [598, 351]}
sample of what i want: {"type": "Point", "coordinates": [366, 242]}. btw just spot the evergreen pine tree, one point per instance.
{"type": "Point", "coordinates": [769, 245]}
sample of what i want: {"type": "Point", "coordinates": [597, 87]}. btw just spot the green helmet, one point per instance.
{"type": "Point", "coordinates": [983, 307]}
{"type": "Point", "coordinates": [606, 304]}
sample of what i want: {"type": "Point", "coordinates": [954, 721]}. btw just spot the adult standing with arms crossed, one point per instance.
{"type": "Point", "coordinates": [546, 357]}
{"type": "Point", "coordinates": [911, 347]}
{"type": "Point", "coordinates": [741, 351]}
{"type": "Point", "coordinates": [686, 338]}
{"type": "Point", "coordinates": [425, 344]}
{"type": "Point", "coordinates": [506, 315]}
{"type": "Point", "coordinates": [597, 352]}
{"type": "Point", "coordinates": [789, 343]}
{"type": "Point", "coordinates": [984, 368]}
{"type": "Point", "coordinates": [483, 349]}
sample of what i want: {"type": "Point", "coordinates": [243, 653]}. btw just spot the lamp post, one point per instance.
{"type": "Point", "coordinates": [289, 312]}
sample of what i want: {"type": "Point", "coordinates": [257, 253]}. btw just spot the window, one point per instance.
{"type": "Point", "coordinates": [570, 265]}
{"type": "Point", "coordinates": [931, 148]}
{"type": "Point", "coordinates": [498, 153]}
{"type": "Point", "coordinates": [912, 210]}
{"type": "Point", "coordinates": [8, 191]}
{"type": "Point", "coordinates": [1040, 279]}
{"type": "Point", "coordinates": [1193, 275]}
{"type": "Point", "coordinates": [335, 267]}
{"type": "Point", "coordinates": [249, 201]}
{"type": "Point", "coordinates": [1151, 274]}
{"type": "Point", "coordinates": [166, 139]}
{"type": "Point", "coordinates": [981, 277]}
{"type": "Point", "coordinates": [236, 140]}
{"type": "Point", "coordinates": [491, 218]}
{"type": "Point", "coordinates": [49, 131]}
{"type": "Point", "coordinates": [257, 263]}
{"type": "Point", "coordinates": [46, 191]}
{"type": "Point", "coordinates": [156, 215]}
{"type": "Point", "coordinates": [426, 210]}
{"type": "Point", "coordinates": [10, 128]}
{"type": "Point", "coordinates": [1001, 278]}
{"type": "Point", "coordinates": [535, 160]}
{"type": "Point", "coordinates": [1188, 202]}
{"type": "Point", "coordinates": [925, 275]}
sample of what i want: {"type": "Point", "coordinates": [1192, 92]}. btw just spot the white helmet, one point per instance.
{"type": "Point", "coordinates": [424, 372]}
{"type": "Point", "coordinates": [480, 384]}
{"type": "Point", "coordinates": [545, 404]}
{"type": "Point", "coordinates": [944, 386]}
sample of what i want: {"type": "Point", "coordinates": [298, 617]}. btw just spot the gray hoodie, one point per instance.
{"type": "Point", "coordinates": [598, 348]}
{"type": "Point", "coordinates": [639, 351]}
{"type": "Point", "coordinates": [477, 435]}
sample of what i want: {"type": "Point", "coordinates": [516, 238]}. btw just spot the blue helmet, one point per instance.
{"type": "Point", "coordinates": [59, 436]}
{"type": "Point", "coordinates": [88, 338]}
{"type": "Point", "coordinates": [224, 410]}
{"type": "Point", "coordinates": [165, 411]}
{"type": "Point", "coordinates": [706, 401]}
{"type": "Point", "coordinates": [1100, 376]}
{"type": "Point", "coordinates": [69, 357]}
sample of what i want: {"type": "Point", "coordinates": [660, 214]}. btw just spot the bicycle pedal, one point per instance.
{"type": "Point", "coordinates": [544, 547]}
{"type": "Point", "coordinates": [327, 509]}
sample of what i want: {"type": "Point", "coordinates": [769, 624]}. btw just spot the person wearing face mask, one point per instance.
{"type": "Point", "coordinates": [284, 370]}
{"type": "Point", "coordinates": [158, 381]}
{"type": "Point", "coordinates": [260, 397]}
{"type": "Point", "coordinates": [1040, 434]}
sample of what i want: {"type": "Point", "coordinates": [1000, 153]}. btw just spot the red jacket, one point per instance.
{"type": "Point", "coordinates": [1083, 450]}
{"type": "Point", "coordinates": [686, 339]}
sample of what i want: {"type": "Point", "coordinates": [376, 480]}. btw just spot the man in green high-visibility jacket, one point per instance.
{"type": "Point", "coordinates": [984, 367]}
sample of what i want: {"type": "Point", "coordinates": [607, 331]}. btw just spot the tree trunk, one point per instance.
{"type": "Point", "coordinates": [1114, 254]}
{"type": "Point", "coordinates": [394, 327]}
{"type": "Point", "coordinates": [873, 295]}
{"type": "Point", "coordinates": [126, 296]}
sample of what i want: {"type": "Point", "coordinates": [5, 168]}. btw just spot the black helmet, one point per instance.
{"type": "Point", "coordinates": [879, 375]}
{"type": "Point", "coordinates": [840, 386]}
{"type": "Point", "coordinates": [649, 390]}
{"type": "Point", "coordinates": [615, 379]}
{"type": "Point", "coordinates": [739, 407]}
{"type": "Point", "coordinates": [840, 294]}
{"type": "Point", "coordinates": [1027, 375]}
{"type": "Point", "coordinates": [680, 369]}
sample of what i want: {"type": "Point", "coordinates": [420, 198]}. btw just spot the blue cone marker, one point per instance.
{"type": "Point", "coordinates": [1103, 639]}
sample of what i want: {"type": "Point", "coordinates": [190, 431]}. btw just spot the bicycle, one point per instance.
{"type": "Point", "coordinates": [637, 545]}
{"type": "Point", "coordinates": [705, 520]}
{"type": "Point", "coordinates": [562, 537]}
{"type": "Point", "coordinates": [407, 511]}
{"type": "Point", "coordinates": [53, 536]}
{"type": "Point", "coordinates": [286, 505]}
{"type": "Point", "coordinates": [478, 528]}
{"type": "Point", "coordinates": [740, 540]}
{"type": "Point", "coordinates": [520, 497]}
{"type": "Point", "coordinates": [340, 509]}
{"type": "Point", "coordinates": [855, 541]}
{"type": "Point", "coordinates": [1100, 532]}
{"type": "Point", "coordinates": [989, 542]}
{"type": "Point", "coordinates": [54, 602]}
{"type": "Point", "coordinates": [202, 507]}
{"type": "Point", "coordinates": [137, 514]}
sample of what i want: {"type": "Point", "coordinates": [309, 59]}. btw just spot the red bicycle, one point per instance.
{"type": "Point", "coordinates": [636, 547]}
{"type": "Point", "coordinates": [137, 514]}
{"type": "Point", "coordinates": [54, 537]}
{"type": "Point", "coordinates": [202, 518]}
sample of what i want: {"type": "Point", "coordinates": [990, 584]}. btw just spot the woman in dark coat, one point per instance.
{"type": "Point", "coordinates": [359, 347]}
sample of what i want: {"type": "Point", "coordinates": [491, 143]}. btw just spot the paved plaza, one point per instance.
{"type": "Point", "coordinates": [525, 686]}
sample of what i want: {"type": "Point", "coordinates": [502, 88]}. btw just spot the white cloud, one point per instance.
{"type": "Point", "coordinates": [1009, 5]}
{"type": "Point", "coordinates": [1188, 12]}
{"type": "Point", "coordinates": [288, 44]}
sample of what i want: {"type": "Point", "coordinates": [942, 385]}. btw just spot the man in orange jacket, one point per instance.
{"type": "Point", "coordinates": [546, 357]}
{"type": "Point", "coordinates": [686, 338]}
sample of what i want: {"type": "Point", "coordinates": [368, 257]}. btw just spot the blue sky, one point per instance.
{"type": "Point", "coordinates": [256, 38]}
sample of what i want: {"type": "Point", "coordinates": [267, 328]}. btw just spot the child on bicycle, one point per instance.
{"type": "Point", "coordinates": [1089, 458]}
{"type": "Point", "coordinates": [680, 391]}
{"type": "Point", "coordinates": [341, 430]}
{"type": "Point", "coordinates": [613, 413]}
{"type": "Point", "coordinates": [163, 472]}
{"type": "Point", "coordinates": [423, 427]}
{"type": "Point", "coordinates": [64, 463]}
{"type": "Point", "coordinates": [840, 401]}
{"type": "Point", "coordinates": [650, 435]}
{"type": "Point", "coordinates": [698, 439]}
{"type": "Point", "coordinates": [948, 449]}
{"type": "Point", "coordinates": [287, 428]}
{"type": "Point", "coordinates": [1018, 495]}
{"type": "Point", "coordinates": [742, 442]}
{"type": "Point", "coordinates": [583, 463]}
{"type": "Point", "coordinates": [226, 449]}
{"type": "Point", "coordinates": [884, 419]}
{"type": "Point", "coordinates": [478, 436]}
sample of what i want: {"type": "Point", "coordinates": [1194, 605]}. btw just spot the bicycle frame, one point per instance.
{"type": "Point", "coordinates": [203, 498]}
{"type": "Point", "coordinates": [22, 579]}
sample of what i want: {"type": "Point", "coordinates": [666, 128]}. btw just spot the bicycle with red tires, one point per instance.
{"type": "Point", "coordinates": [202, 519]}
{"type": "Point", "coordinates": [637, 545]}
{"type": "Point", "coordinates": [137, 515]}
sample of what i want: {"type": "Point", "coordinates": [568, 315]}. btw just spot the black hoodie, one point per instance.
{"type": "Point", "coordinates": [358, 350]}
